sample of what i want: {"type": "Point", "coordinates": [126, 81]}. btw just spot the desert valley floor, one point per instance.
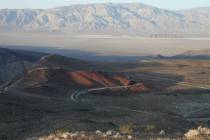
{"type": "Point", "coordinates": [58, 93]}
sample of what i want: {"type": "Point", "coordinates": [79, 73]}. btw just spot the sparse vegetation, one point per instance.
{"type": "Point", "coordinates": [109, 135]}
{"type": "Point", "coordinates": [149, 127]}
{"type": "Point", "coordinates": [201, 133]}
{"type": "Point", "coordinates": [127, 128]}
{"type": "Point", "coordinates": [60, 131]}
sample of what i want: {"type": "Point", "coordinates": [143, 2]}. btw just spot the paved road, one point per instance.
{"type": "Point", "coordinates": [78, 93]}
{"type": "Point", "coordinates": [75, 95]}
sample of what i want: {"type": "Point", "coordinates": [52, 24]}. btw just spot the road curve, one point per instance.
{"type": "Point", "coordinates": [75, 95]}
{"type": "Point", "coordinates": [75, 98]}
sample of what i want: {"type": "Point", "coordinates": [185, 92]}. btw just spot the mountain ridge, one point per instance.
{"type": "Point", "coordinates": [15, 62]}
{"type": "Point", "coordinates": [132, 18]}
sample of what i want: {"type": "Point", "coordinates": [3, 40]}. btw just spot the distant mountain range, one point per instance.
{"type": "Point", "coordinates": [134, 19]}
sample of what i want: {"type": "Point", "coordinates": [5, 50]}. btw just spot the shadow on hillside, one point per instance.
{"type": "Point", "coordinates": [191, 91]}
{"type": "Point", "coordinates": [157, 81]}
{"type": "Point", "coordinates": [85, 55]}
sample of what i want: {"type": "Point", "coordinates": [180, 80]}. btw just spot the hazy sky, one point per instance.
{"type": "Point", "coordinates": [167, 4]}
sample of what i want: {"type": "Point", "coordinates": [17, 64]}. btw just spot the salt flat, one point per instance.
{"type": "Point", "coordinates": [106, 44]}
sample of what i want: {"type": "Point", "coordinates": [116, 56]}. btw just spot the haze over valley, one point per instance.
{"type": "Point", "coordinates": [101, 45]}
{"type": "Point", "coordinates": [106, 71]}
{"type": "Point", "coordinates": [131, 29]}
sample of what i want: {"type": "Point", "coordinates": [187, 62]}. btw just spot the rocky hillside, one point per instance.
{"type": "Point", "coordinates": [57, 76]}
{"type": "Point", "coordinates": [14, 62]}
{"type": "Point", "coordinates": [133, 18]}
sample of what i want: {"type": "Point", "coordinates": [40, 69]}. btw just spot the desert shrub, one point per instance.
{"type": "Point", "coordinates": [200, 133]}
{"type": "Point", "coordinates": [149, 127]}
{"type": "Point", "coordinates": [60, 131]}
{"type": "Point", "coordinates": [127, 128]}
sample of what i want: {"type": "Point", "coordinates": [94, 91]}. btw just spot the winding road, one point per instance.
{"type": "Point", "coordinates": [75, 98]}
{"type": "Point", "coordinates": [75, 95]}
